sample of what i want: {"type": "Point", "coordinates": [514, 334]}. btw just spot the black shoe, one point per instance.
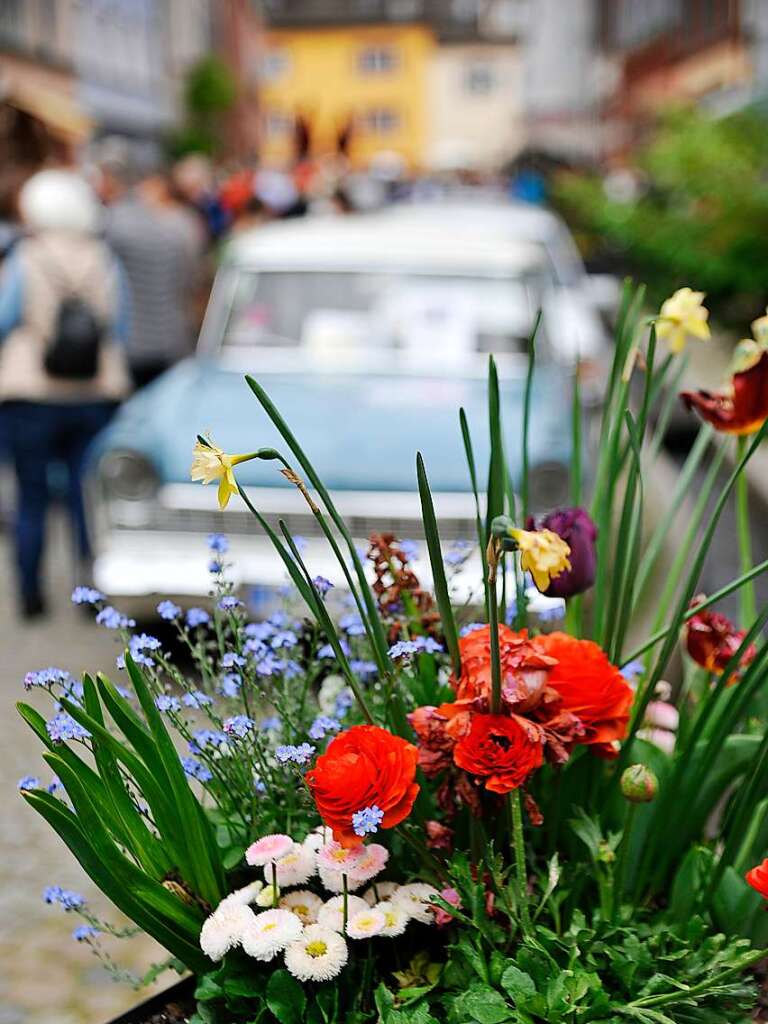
{"type": "Point", "coordinates": [33, 607]}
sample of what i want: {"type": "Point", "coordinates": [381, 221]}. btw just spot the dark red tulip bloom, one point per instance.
{"type": "Point", "coordinates": [578, 531]}
{"type": "Point", "coordinates": [712, 640]}
{"type": "Point", "coordinates": [740, 409]}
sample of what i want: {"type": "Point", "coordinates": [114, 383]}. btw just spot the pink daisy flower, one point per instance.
{"type": "Point", "coordinates": [268, 849]}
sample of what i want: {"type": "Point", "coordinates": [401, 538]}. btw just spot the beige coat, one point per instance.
{"type": "Point", "coordinates": [50, 263]}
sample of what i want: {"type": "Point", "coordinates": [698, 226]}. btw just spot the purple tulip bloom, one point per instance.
{"type": "Point", "coordinates": [580, 534]}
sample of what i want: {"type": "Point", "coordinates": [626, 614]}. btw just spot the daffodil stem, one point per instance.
{"type": "Point", "coordinates": [521, 873]}
{"type": "Point", "coordinates": [274, 883]}
{"type": "Point", "coordinates": [493, 623]}
{"type": "Point", "coordinates": [748, 606]}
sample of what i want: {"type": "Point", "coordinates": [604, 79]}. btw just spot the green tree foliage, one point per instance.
{"type": "Point", "coordinates": [701, 216]}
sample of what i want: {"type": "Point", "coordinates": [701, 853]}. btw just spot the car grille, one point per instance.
{"type": "Point", "coordinates": [299, 524]}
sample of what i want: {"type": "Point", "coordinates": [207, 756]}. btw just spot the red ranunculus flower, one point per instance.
{"type": "Point", "coordinates": [712, 639]}
{"type": "Point", "coordinates": [743, 408]}
{"type": "Point", "coordinates": [524, 668]}
{"type": "Point", "coordinates": [503, 751]}
{"type": "Point", "coordinates": [363, 767]}
{"type": "Point", "coordinates": [758, 878]}
{"type": "Point", "coordinates": [591, 688]}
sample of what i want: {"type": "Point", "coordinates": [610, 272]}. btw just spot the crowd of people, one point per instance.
{"type": "Point", "coordinates": [105, 271]}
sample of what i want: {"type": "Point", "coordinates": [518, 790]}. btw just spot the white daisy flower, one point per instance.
{"type": "Point", "coordinates": [224, 929]}
{"type": "Point", "coordinates": [267, 896]}
{"type": "Point", "coordinates": [248, 894]}
{"type": "Point", "coordinates": [414, 899]}
{"type": "Point", "coordinates": [366, 923]}
{"type": "Point", "coordinates": [379, 891]}
{"type": "Point", "coordinates": [315, 840]}
{"type": "Point", "coordinates": [331, 914]}
{"type": "Point", "coordinates": [318, 955]}
{"type": "Point", "coordinates": [295, 868]}
{"type": "Point", "coordinates": [333, 881]}
{"type": "Point", "coordinates": [395, 918]}
{"type": "Point", "coordinates": [268, 849]}
{"type": "Point", "coordinates": [270, 932]}
{"type": "Point", "coordinates": [303, 903]}
{"type": "Point", "coordinates": [372, 863]}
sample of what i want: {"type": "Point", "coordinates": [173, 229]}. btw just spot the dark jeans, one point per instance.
{"type": "Point", "coordinates": [38, 434]}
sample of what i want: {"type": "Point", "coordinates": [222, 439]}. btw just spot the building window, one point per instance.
{"type": "Point", "coordinates": [276, 123]}
{"type": "Point", "coordinates": [377, 60]}
{"type": "Point", "coordinates": [380, 121]}
{"type": "Point", "coordinates": [635, 24]}
{"type": "Point", "coordinates": [274, 64]}
{"type": "Point", "coordinates": [479, 78]}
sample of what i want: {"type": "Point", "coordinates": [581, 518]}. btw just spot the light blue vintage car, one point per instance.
{"type": "Point", "coordinates": [369, 333]}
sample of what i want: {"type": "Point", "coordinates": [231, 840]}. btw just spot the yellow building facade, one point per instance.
{"type": "Point", "coordinates": [372, 78]}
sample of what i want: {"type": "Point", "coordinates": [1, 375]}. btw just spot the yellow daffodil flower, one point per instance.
{"type": "Point", "coordinates": [681, 317]}
{"type": "Point", "coordinates": [542, 553]}
{"type": "Point", "coordinates": [210, 463]}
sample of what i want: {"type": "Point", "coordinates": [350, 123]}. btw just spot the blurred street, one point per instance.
{"type": "Point", "coordinates": [73, 988]}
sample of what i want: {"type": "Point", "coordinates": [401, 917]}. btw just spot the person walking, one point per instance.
{"type": "Point", "coordinates": [63, 316]}
{"type": "Point", "coordinates": [159, 243]}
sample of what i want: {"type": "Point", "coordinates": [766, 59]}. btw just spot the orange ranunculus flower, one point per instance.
{"type": "Point", "coordinates": [743, 407]}
{"type": "Point", "coordinates": [363, 767]}
{"type": "Point", "coordinates": [712, 640]}
{"type": "Point", "coordinates": [503, 751]}
{"type": "Point", "coordinates": [591, 688]}
{"type": "Point", "coordinates": [758, 878]}
{"type": "Point", "coordinates": [524, 668]}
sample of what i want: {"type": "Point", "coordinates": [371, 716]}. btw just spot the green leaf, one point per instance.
{"type": "Point", "coordinates": [524, 481]}
{"type": "Point", "coordinates": [208, 874]}
{"type": "Point", "coordinates": [496, 465]}
{"type": "Point", "coordinates": [438, 570]}
{"type": "Point", "coordinates": [518, 985]}
{"type": "Point", "coordinates": [380, 640]}
{"type": "Point", "coordinates": [486, 1005]}
{"type": "Point", "coordinates": [285, 997]}
{"type": "Point", "coordinates": [208, 988]}
{"type": "Point", "coordinates": [124, 884]}
{"type": "Point", "coordinates": [147, 851]}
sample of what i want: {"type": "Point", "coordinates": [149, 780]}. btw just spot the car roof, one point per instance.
{"type": "Point", "coordinates": [449, 238]}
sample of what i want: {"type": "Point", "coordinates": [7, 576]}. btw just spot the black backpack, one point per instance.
{"type": "Point", "coordinates": [72, 352]}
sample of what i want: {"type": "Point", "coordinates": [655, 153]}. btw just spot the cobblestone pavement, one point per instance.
{"type": "Point", "coordinates": [45, 976]}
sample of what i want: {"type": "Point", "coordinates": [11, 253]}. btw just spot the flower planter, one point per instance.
{"type": "Point", "coordinates": [172, 1006]}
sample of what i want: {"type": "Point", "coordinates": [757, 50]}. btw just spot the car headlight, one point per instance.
{"type": "Point", "coordinates": [126, 475]}
{"type": "Point", "coordinates": [548, 486]}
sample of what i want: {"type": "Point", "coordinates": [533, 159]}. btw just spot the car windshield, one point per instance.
{"type": "Point", "coordinates": [334, 311]}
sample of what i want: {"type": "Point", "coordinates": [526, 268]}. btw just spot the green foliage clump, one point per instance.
{"type": "Point", "coordinates": [701, 214]}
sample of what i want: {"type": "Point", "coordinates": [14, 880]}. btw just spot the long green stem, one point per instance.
{"type": "Point", "coordinates": [748, 605]}
{"type": "Point", "coordinates": [345, 903]}
{"type": "Point", "coordinates": [493, 622]}
{"type": "Point", "coordinates": [621, 861]}
{"type": "Point", "coordinates": [520, 870]}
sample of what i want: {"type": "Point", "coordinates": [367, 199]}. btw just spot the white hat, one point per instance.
{"type": "Point", "coordinates": [58, 200]}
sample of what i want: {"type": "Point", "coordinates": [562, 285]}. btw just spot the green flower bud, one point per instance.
{"type": "Point", "coordinates": [501, 526]}
{"type": "Point", "coordinates": [639, 784]}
